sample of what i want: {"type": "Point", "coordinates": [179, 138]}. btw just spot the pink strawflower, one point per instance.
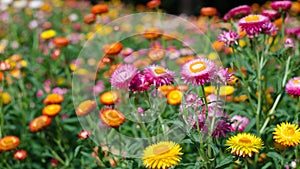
{"type": "Point", "coordinates": [293, 31]}
{"type": "Point", "coordinates": [253, 24]}
{"type": "Point", "coordinates": [269, 28]}
{"type": "Point", "coordinates": [281, 5]}
{"type": "Point", "coordinates": [59, 90]}
{"type": "Point", "coordinates": [159, 75]}
{"type": "Point", "coordinates": [126, 52]}
{"type": "Point", "coordinates": [271, 14]}
{"type": "Point", "coordinates": [293, 86]}
{"type": "Point", "coordinates": [39, 93]}
{"type": "Point", "coordinates": [239, 123]}
{"type": "Point", "coordinates": [198, 71]}
{"type": "Point", "coordinates": [172, 52]}
{"type": "Point", "coordinates": [122, 76]}
{"type": "Point", "coordinates": [222, 75]}
{"type": "Point", "coordinates": [99, 87]}
{"type": "Point", "coordinates": [289, 43]}
{"type": "Point", "coordinates": [201, 124]}
{"type": "Point", "coordinates": [191, 102]}
{"type": "Point", "coordinates": [237, 12]}
{"type": "Point", "coordinates": [140, 82]}
{"type": "Point", "coordinates": [229, 38]}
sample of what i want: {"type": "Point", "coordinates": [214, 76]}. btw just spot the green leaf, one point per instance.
{"type": "Point", "coordinates": [77, 149]}
{"type": "Point", "coordinates": [267, 165]}
{"type": "Point", "coordinates": [198, 165]}
{"type": "Point", "coordinates": [214, 148]}
{"type": "Point", "coordinates": [225, 162]}
{"type": "Point", "coordinates": [276, 158]}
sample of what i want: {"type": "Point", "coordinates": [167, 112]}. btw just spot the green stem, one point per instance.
{"type": "Point", "coordinates": [271, 112]}
{"type": "Point", "coordinates": [260, 62]}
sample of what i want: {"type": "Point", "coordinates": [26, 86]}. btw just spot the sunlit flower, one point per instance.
{"type": "Point", "coordinates": [40, 123]}
{"type": "Point", "coordinates": [112, 117]}
{"type": "Point", "coordinates": [237, 12]}
{"type": "Point", "coordinates": [198, 71]}
{"type": "Point", "coordinates": [48, 34]}
{"type": "Point", "coordinates": [140, 82]}
{"type": "Point", "coordinates": [51, 110]}
{"type": "Point", "coordinates": [244, 144]}
{"type": "Point", "coordinates": [293, 86]}
{"type": "Point", "coordinates": [35, 4]}
{"type": "Point", "coordinates": [5, 98]}
{"type": "Point", "coordinates": [20, 155]}
{"type": "Point", "coordinates": [239, 123]}
{"type": "Point", "coordinates": [229, 38]}
{"type": "Point", "coordinates": [122, 76]}
{"type": "Point", "coordinates": [281, 5]}
{"type": "Point", "coordinates": [109, 97]}
{"type": "Point", "coordinates": [85, 107]}
{"type": "Point", "coordinates": [162, 155]}
{"type": "Point", "coordinates": [53, 99]}
{"type": "Point", "coordinates": [174, 97]}
{"type": "Point", "coordinates": [152, 33]}
{"type": "Point", "coordinates": [159, 75]}
{"type": "Point", "coordinates": [253, 24]}
{"type": "Point", "coordinates": [99, 9]}
{"type": "Point", "coordinates": [9, 143]}
{"type": "Point", "coordinates": [287, 134]}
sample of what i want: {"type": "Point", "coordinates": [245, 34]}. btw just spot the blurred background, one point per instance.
{"type": "Point", "coordinates": [192, 7]}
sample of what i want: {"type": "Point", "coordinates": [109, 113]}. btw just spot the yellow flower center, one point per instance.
{"type": "Point", "coordinates": [8, 141]}
{"type": "Point", "coordinates": [197, 67]}
{"type": "Point", "coordinates": [244, 140]}
{"type": "Point", "coordinates": [113, 114]}
{"type": "Point", "coordinates": [290, 131]}
{"type": "Point", "coordinates": [252, 18]}
{"type": "Point", "coordinates": [161, 149]}
{"type": "Point", "coordinates": [159, 70]}
{"type": "Point", "coordinates": [297, 81]}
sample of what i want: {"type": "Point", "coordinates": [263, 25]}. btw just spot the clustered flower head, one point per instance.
{"type": "Point", "coordinates": [287, 134]}
{"type": "Point", "coordinates": [229, 38]}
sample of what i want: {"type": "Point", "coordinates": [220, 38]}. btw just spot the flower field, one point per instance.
{"type": "Point", "coordinates": [114, 85]}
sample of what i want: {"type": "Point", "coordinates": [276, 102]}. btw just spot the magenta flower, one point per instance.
{"type": "Point", "coordinates": [293, 86]}
{"type": "Point", "coordinates": [99, 87]}
{"type": "Point", "coordinates": [126, 52]}
{"type": "Point", "coordinates": [229, 38]}
{"type": "Point", "coordinates": [269, 28]}
{"type": "Point", "coordinates": [122, 76]}
{"type": "Point", "coordinates": [159, 75]}
{"type": "Point", "coordinates": [192, 102]}
{"type": "Point", "coordinates": [281, 5]}
{"type": "Point", "coordinates": [198, 71]}
{"type": "Point", "coordinates": [222, 75]}
{"type": "Point", "coordinates": [237, 12]}
{"type": "Point", "coordinates": [271, 14]}
{"type": "Point", "coordinates": [59, 90]}
{"type": "Point", "coordinates": [289, 43]}
{"type": "Point", "coordinates": [293, 31]}
{"type": "Point", "coordinates": [239, 123]}
{"type": "Point", "coordinates": [140, 82]}
{"type": "Point", "coordinates": [253, 24]}
{"type": "Point", "coordinates": [221, 129]}
{"type": "Point", "coordinates": [201, 124]}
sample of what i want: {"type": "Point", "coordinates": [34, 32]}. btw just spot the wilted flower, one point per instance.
{"type": "Point", "coordinates": [221, 129]}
